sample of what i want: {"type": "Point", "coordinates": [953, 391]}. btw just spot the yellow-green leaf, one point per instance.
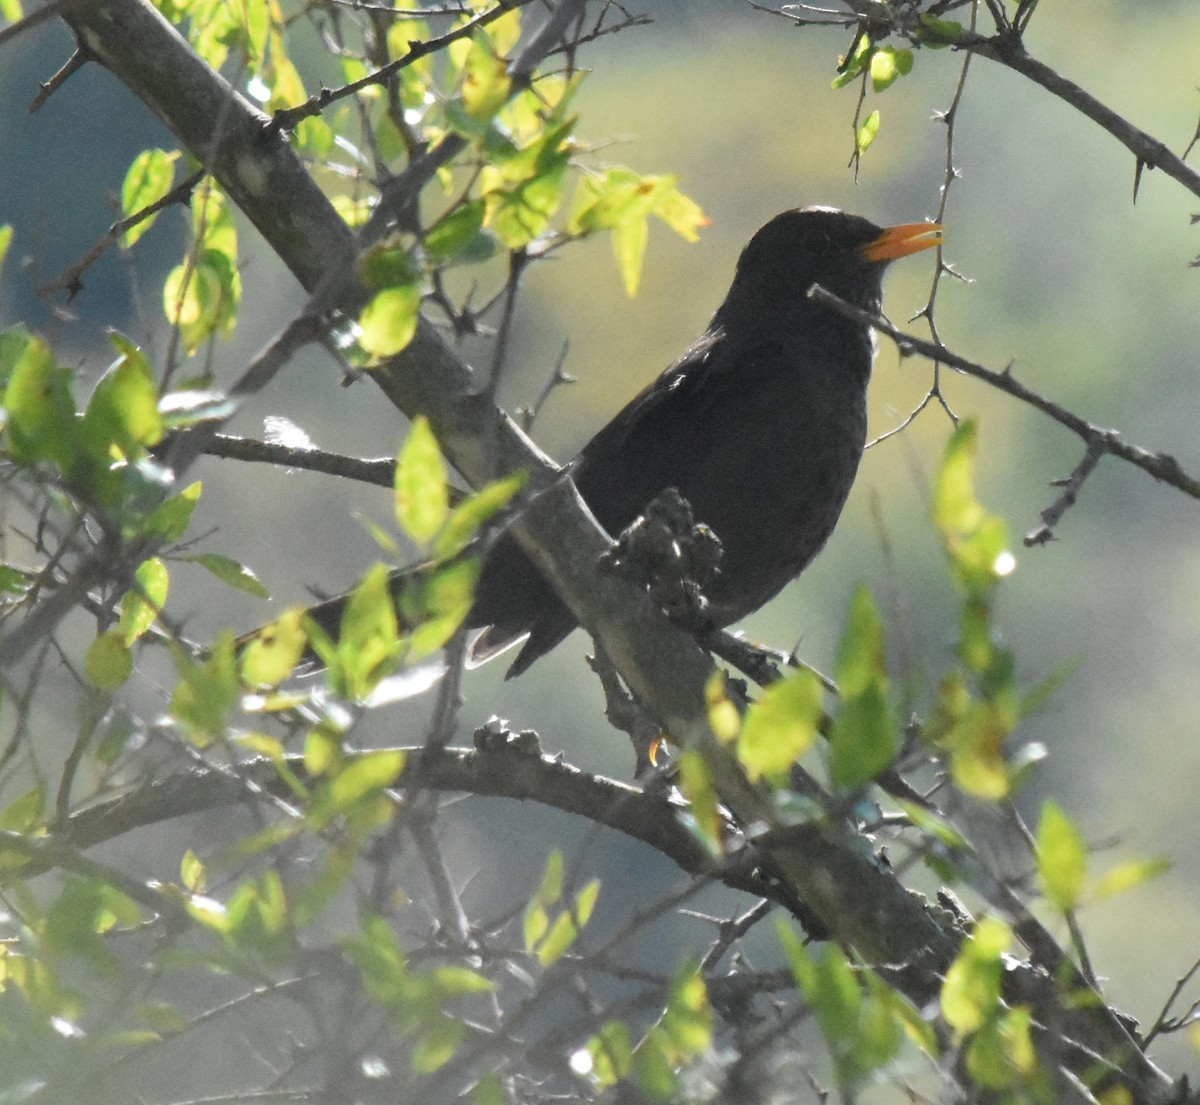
{"type": "Point", "coordinates": [473, 512]}
{"type": "Point", "coordinates": [781, 726]}
{"type": "Point", "coordinates": [364, 776]}
{"type": "Point", "coordinates": [422, 496]}
{"type": "Point", "coordinates": [866, 132]}
{"type": "Point", "coordinates": [971, 989]}
{"type": "Point", "coordinates": [1126, 876]}
{"type": "Point", "coordinates": [141, 605]}
{"type": "Point", "coordinates": [108, 662]}
{"type": "Point", "coordinates": [149, 179]}
{"type": "Point", "coordinates": [275, 650]}
{"type": "Point", "coordinates": [485, 81]}
{"type": "Point", "coordinates": [389, 322]}
{"type": "Point", "coordinates": [192, 873]}
{"type": "Point", "coordinates": [1061, 857]}
{"type": "Point", "coordinates": [629, 247]}
{"type": "Point", "coordinates": [695, 784]}
{"type": "Point", "coordinates": [228, 570]}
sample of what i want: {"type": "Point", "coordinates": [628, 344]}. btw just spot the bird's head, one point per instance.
{"type": "Point", "coordinates": [845, 254]}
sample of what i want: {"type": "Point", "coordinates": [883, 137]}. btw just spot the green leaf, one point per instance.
{"type": "Point", "coordinates": [41, 423]}
{"type": "Point", "coordinates": [26, 814]}
{"type": "Point", "coordinates": [489, 1090]}
{"type": "Point", "coordinates": [935, 32]}
{"type": "Point", "coordinates": [436, 1046]}
{"type": "Point", "coordinates": [1126, 876]}
{"type": "Point", "coordinates": [976, 746]}
{"type": "Point", "coordinates": [629, 247]}
{"type": "Point", "coordinates": [616, 196]}
{"type": "Point", "coordinates": [864, 740]}
{"type": "Point", "coordinates": [866, 133]}
{"type": "Point", "coordinates": [389, 321]}
{"type": "Point", "coordinates": [485, 81]}
{"type": "Point", "coordinates": [839, 997]}
{"type": "Point", "coordinates": [192, 302]}
{"type": "Point", "coordinates": [275, 650]}
{"type": "Point", "coordinates": [141, 605]}
{"type": "Point", "coordinates": [781, 726]}
{"type": "Point", "coordinates": [971, 989]}
{"type": "Point", "coordinates": [1001, 1056]}
{"type": "Point", "coordinates": [724, 717]}
{"type": "Point", "coordinates": [861, 662]}
{"type": "Point", "coordinates": [1061, 857]}
{"type": "Point", "coordinates": [207, 692]}
{"type": "Point", "coordinates": [956, 511]}
{"type": "Point", "coordinates": [422, 497]}
{"type": "Point", "coordinates": [473, 512]}
{"type": "Point", "coordinates": [611, 1054]}
{"type": "Point", "coordinates": [191, 872]}
{"type": "Point", "coordinates": [567, 925]}
{"type": "Point", "coordinates": [537, 920]}
{"type": "Point", "coordinates": [696, 785]}
{"type": "Point", "coordinates": [687, 1020]}
{"type": "Point", "coordinates": [369, 645]}
{"type": "Point", "coordinates": [681, 214]}
{"type": "Point", "coordinates": [108, 662]}
{"type": "Point", "coordinates": [551, 887]}
{"type": "Point", "coordinates": [518, 215]}
{"type": "Point", "coordinates": [851, 67]}
{"type": "Point", "coordinates": [654, 1069]}
{"type": "Point", "coordinates": [459, 236]}
{"type": "Point", "coordinates": [352, 784]}
{"type": "Point", "coordinates": [149, 178]}
{"type": "Point", "coordinates": [887, 64]}
{"type": "Point", "coordinates": [442, 602]}
{"type": "Point", "coordinates": [6, 235]}
{"type": "Point", "coordinates": [388, 266]}
{"type": "Point", "coordinates": [171, 518]}
{"type": "Point", "coordinates": [229, 571]}
{"type": "Point", "coordinates": [366, 775]}
{"type": "Point", "coordinates": [800, 960]}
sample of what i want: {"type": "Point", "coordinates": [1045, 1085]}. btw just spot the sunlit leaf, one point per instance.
{"type": "Point", "coordinates": [1061, 857]}
{"type": "Point", "coordinates": [866, 133]}
{"type": "Point", "coordinates": [971, 989]}
{"type": "Point", "coordinates": [149, 178]}
{"type": "Point", "coordinates": [888, 63]}
{"type": "Point", "coordinates": [108, 662]}
{"type": "Point", "coordinates": [141, 605]}
{"type": "Point", "coordinates": [629, 247]}
{"type": "Point", "coordinates": [1127, 876]}
{"type": "Point", "coordinates": [422, 499]}
{"type": "Point", "coordinates": [229, 571]}
{"type": "Point", "coordinates": [781, 726]}
{"type": "Point", "coordinates": [275, 650]}
{"type": "Point", "coordinates": [389, 321]}
{"type": "Point", "coordinates": [474, 511]}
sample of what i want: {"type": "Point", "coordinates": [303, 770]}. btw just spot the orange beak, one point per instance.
{"type": "Point", "coordinates": [900, 241]}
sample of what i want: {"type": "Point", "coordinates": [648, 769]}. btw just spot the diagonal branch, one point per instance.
{"type": "Point", "coordinates": [1162, 466]}
{"type": "Point", "coordinates": [1009, 51]}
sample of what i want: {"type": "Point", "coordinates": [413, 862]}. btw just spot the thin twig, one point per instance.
{"type": "Point", "coordinates": [1052, 515]}
{"type": "Point", "coordinates": [71, 277]}
{"type": "Point", "coordinates": [380, 471]}
{"type": "Point", "coordinates": [1162, 466]}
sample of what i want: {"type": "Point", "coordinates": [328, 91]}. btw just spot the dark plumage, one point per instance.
{"type": "Point", "coordinates": [760, 425]}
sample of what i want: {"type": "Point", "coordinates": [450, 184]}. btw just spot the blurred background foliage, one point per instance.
{"type": "Point", "coordinates": [1088, 295]}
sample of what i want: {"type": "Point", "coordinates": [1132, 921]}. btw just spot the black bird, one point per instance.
{"type": "Point", "coordinates": [760, 425]}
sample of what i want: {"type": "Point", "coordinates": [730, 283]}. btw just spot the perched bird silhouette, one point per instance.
{"type": "Point", "coordinates": [760, 426]}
